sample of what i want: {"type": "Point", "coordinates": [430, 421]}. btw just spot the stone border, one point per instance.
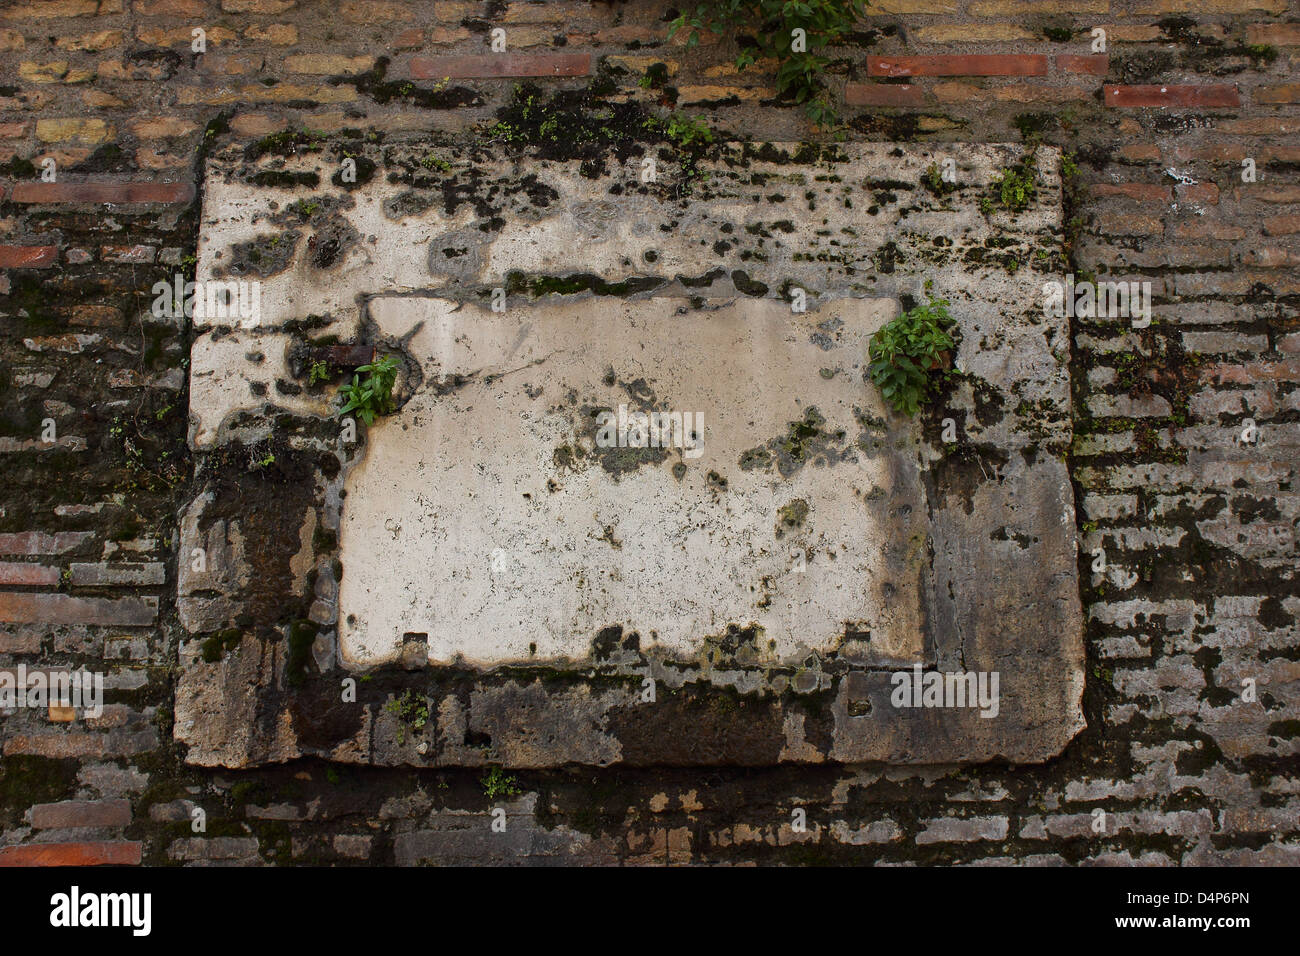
{"type": "Point", "coordinates": [260, 679]}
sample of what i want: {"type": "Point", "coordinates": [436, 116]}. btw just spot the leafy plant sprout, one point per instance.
{"type": "Point", "coordinates": [497, 783]}
{"type": "Point", "coordinates": [905, 353]}
{"type": "Point", "coordinates": [370, 393]}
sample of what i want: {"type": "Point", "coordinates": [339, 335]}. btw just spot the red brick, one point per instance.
{"type": "Point", "coordinates": [160, 193]}
{"type": "Point", "coordinates": [121, 853]}
{"type": "Point", "coordinates": [1197, 192]}
{"type": "Point", "coordinates": [409, 39]}
{"type": "Point", "coordinates": [57, 745]}
{"type": "Point", "coordinates": [28, 257]}
{"type": "Point", "coordinates": [490, 65]}
{"type": "Point", "coordinates": [1282, 226]}
{"type": "Point", "coordinates": [1251, 373]}
{"type": "Point", "coordinates": [38, 542]}
{"type": "Point", "coordinates": [1142, 192]}
{"type": "Point", "coordinates": [1092, 65]}
{"type": "Point", "coordinates": [25, 608]}
{"type": "Point", "coordinates": [883, 94]}
{"type": "Point", "coordinates": [19, 574]}
{"type": "Point", "coordinates": [959, 64]}
{"type": "Point", "coordinates": [81, 813]}
{"type": "Point", "coordinates": [1274, 34]}
{"type": "Point", "coordinates": [1197, 96]}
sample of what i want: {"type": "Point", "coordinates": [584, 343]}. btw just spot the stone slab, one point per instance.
{"type": "Point", "coordinates": [509, 591]}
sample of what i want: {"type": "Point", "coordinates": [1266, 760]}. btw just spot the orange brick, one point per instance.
{"type": "Point", "coordinates": [122, 853]}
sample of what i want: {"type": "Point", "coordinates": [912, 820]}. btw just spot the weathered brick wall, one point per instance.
{"type": "Point", "coordinates": [1197, 524]}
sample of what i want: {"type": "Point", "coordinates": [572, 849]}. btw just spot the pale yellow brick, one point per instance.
{"type": "Point", "coordinates": [182, 36]}
{"type": "Point", "coordinates": [75, 129]}
{"type": "Point", "coordinates": [453, 11]}
{"type": "Point", "coordinates": [328, 64]}
{"type": "Point", "coordinates": [99, 100]}
{"type": "Point", "coordinates": [282, 92]}
{"type": "Point", "coordinates": [161, 127]}
{"type": "Point", "coordinates": [972, 33]}
{"type": "Point", "coordinates": [43, 72]}
{"type": "Point", "coordinates": [448, 34]}
{"type": "Point", "coordinates": [956, 92]}
{"type": "Point", "coordinates": [11, 40]}
{"type": "Point", "coordinates": [1030, 93]}
{"type": "Point", "coordinates": [146, 157]}
{"type": "Point", "coordinates": [539, 12]}
{"type": "Point", "coordinates": [256, 125]}
{"type": "Point", "coordinates": [277, 34]}
{"type": "Point", "coordinates": [707, 93]}
{"type": "Point", "coordinates": [92, 42]}
{"type": "Point", "coordinates": [729, 69]}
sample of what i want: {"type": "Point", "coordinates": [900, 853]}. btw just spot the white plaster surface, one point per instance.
{"type": "Point", "coordinates": [460, 525]}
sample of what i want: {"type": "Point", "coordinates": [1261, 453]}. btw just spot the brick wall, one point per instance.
{"type": "Point", "coordinates": [1198, 525]}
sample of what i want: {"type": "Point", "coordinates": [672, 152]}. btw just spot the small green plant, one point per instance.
{"type": "Point", "coordinates": [1017, 185]}
{"type": "Point", "coordinates": [1262, 51]}
{"type": "Point", "coordinates": [371, 395]}
{"type": "Point", "coordinates": [497, 783]}
{"type": "Point", "coordinates": [411, 710]}
{"type": "Point", "coordinates": [905, 353]}
{"type": "Point", "coordinates": [304, 208]}
{"type": "Point", "coordinates": [1069, 164]}
{"type": "Point", "coordinates": [688, 131]}
{"type": "Point", "coordinates": [932, 179]}
{"type": "Point", "coordinates": [320, 372]}
{"type": "Point", "coordinates": [793, 32]}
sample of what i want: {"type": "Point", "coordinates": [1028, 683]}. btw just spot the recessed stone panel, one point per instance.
{"type": "Point", "coordinates": [523, 506]}
{"type": "Point", "coordinates": [485, 576]}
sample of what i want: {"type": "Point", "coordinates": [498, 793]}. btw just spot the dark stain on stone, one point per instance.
{"type": "Point", "coordinates": [264, 256]}
{"type": "Point", "coordinates": [726, 728]}
{"type": "Point", "coordinates": [806, 440]}
{"type": "Point", "coordinates": [364, 173]}
{"type": "Point", "coordinates": [747, 286]}
{"type": "Point", "coordinates": [606, 641]}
